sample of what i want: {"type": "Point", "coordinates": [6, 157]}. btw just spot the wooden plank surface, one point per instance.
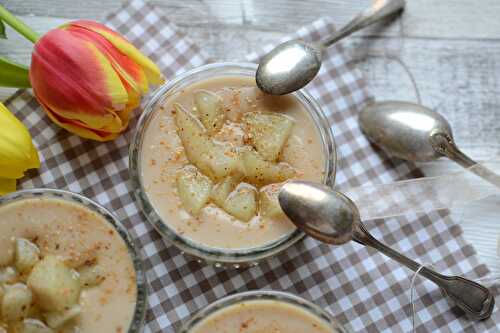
{"type": "Point", "coordinates": [423, 18]}
{"type": "Point", "coordinates": [449, 47]}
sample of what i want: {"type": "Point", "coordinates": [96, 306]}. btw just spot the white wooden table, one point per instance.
{"type": "Point", "coordinates": [450, 47]}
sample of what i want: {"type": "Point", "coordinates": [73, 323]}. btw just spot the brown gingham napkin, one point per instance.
{"type": "Point", "coordinates": [362, 289]}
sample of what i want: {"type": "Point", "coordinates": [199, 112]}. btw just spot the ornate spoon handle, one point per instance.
{"type": "Point", "coordinates": [379, 10]}
{"type": "Point", "coordinates": [474, 299]}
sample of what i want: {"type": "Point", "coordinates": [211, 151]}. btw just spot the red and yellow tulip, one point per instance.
{"type": "Point", "coordinates": [88, 78]}
{"type": "Point", "coordinates": [17, 153]}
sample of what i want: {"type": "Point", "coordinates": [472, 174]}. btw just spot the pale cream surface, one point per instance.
{"type": "Point", "coordinates": [77, 234]}
{"type": "Point", "coordinates": [162, 155]}
{"type": "Point", "coordinates": [263, 316]}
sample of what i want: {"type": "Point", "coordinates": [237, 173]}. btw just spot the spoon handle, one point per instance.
{"type": "Point", "coordinates": [379, 10]}
{"type": "Point", "coordinates": [445, 145]}
{"type": "Point", "coordinates": [474, 299]}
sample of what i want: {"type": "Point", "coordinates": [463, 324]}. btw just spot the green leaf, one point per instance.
{"type": "Point", "coordinates": [2, 30]}
{"type": "Point", "coordinates": [13, 75]}
{"type": "Point", "coordinates": [18, 25]}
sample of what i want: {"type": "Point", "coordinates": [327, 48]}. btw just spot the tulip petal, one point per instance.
{"type": "Point", "coordinates": [114, 84]}
{"type": "Point", "coordinates": [125, 114]}
{"type": "Point", "coordinates": [107, 129]}
{"type": "Point", "coordinates": [12, 171]}
{"type": "Point", "coordinates": [126, 68]}
{"type": "Point", "coordinates": [34, 161]}
{"type": "Point", "coordinates": [17, 153]}
{"type": "Point", "coordinates": [76, 80]}
{"type": "Point", "coordinates": [79, 129]}
{"type": "Point", "coordinates": [134, 101]}
{"type": "Point", "coordinates": [134, 98]}
{"type": "Point", "coordinates": [151, 70]}
{"type": "Point", "coordinates": [7, 185]}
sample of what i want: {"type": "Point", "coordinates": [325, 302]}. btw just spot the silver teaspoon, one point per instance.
{"type": "Point", "coordinates": [415, 133]}
{"type": "Point", "coordinates": [333, 218]}
{"type": "Point", "coordinates": [293, 64]}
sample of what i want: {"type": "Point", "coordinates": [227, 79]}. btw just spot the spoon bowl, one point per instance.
{"type": "Point", "coordinates": [323, 214]}
{"type": "Point", "coordinates": [415, 133]}
{"type": "Point", "coordinates": [289, 67]}
{"type": "Point", "coordinates": [404, 129]}
{"type": "Point", "coordinates": [293, 64]}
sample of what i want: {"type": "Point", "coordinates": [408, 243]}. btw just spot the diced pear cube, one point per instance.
{"type": "Point", "coordinates": [27, 255]}
{"type": "Point", "coordinates": [221, 191]}
{"type": "Point", "coordinates": [224, 161]}
{"type": "Point", "coordinates": [8, 275]}
{"type": "Point", "coordinates": [3, 329]}
{"type": "Point", "coordinates": [242, 202]}
{"type": "Point", "coordinates": [260, 172]}
{"type": "Point", "coordinates": [209, 109]}
{"type": "Point", "coordinates": [231, 103]}
{"type": "Point", "coordinates": [268, 201]}
{"type": "Point", "coordinates": [58, 319]}
{"type": "Point", "coordinates": [32, 326]}
{"type": "Point", "coordinates": [194, 139]}
{"type": "Point", "coordinates": [16, 302]}
{"type": "Point", "coordinates": [56, 287]}
{"type": "Point", "coordinates": [268, 132]}
{"type": "Point", "coordinates": [232, 133]}
{"type": "Point", "coordinates": [91, 275]}
{"type": "Point", "coordinates": [216, 160]}
{"type": "Point", "coordinates": [193, 188]}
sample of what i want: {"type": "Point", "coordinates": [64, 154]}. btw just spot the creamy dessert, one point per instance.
{"type": "Point", "coordinates": [63, 268]}
{"type": "Point", "coordinates": [215, 154]}
{"type": "Point", "coordinates": [262, 316]}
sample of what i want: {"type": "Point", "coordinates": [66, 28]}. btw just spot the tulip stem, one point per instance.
{"type": "Point", "coordinates": [18, 25]}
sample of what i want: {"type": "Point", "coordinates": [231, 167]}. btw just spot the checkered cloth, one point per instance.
{"type": "Point", "coordinates": [363, 289]}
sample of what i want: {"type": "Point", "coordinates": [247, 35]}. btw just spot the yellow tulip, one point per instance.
{"type": "Point", "coordinates": [17, 152]}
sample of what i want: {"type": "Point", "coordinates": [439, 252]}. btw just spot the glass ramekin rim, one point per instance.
{"type": "Point", "coordinates": [262, 294]}
{"type": "Point", "coordinates": [137, 322]}
{"type": "Point", "coordinates": [187, 246]}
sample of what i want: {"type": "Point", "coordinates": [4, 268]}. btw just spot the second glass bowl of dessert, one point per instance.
{"type": "Point", "coordinates": [210, 153]}
{"type": "Point", "coordinates": [262, 311]}
{"type": "Point", "coordinates": [67, 265]}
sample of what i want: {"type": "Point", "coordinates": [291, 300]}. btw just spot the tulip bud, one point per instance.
{"type": "Point", "coordinates": [88, 78]}
{"type": "Point", "coordinates": [17, 153]}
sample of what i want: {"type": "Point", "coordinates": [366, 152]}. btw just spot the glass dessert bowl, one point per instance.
{"type": "Point", "coordinates": [67, 265]}
{"type": "Point", "coordinates": [262, 311]}
{"type": "Point", "coordinates": [210, 153]}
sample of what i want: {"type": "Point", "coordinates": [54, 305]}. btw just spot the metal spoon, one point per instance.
{"type": "Point", "coordinates": [333, 218]}
{"type": "Point", "coordinates": [293, 64]}
{"type": "Point", "coordinates": [415, 133]}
